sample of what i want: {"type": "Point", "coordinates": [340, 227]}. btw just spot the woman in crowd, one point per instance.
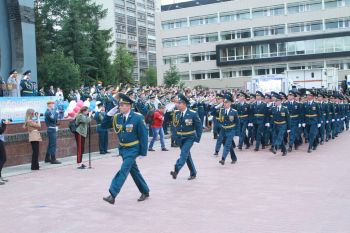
{"type": "Point", "coordinates": [82, 121]}
{"type": "Point", "coordinates": [33, 126]}
{"type": "Point", "coordinates": [3, 125]}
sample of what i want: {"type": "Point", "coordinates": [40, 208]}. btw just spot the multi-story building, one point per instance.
{"type": "Point", "coordinates": [133, 26]}
{"type": "Point", "coordinates": [225, 43]}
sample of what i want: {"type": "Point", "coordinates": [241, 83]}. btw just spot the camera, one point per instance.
{"type": "Point", "coordinates": [3, 120]}
{"type": "Point", "coordinates": [38, 114]}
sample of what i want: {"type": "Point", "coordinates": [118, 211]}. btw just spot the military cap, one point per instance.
{"type": "Point", "coordinates": [252, 95]}
{"type": "Point", "coordinates": [183, 99]}
{"type": "Point", "coordinates": [243, 95]}
{"type": "Point", "coordinates": [124, 99]}
{"type": "Point", "coordinates": [293, 93]}
{"type": "Point", "coordinates": [278, 97]}
{"type": "Point", "coordinates": [259, 93]}
{"type": "Point", "coordinates": [13, 71]}
{"type": "Point", "coordinates": [219, 95]}
{"type": "Point", "coordinates": [282, 94]}
{"type": "Point", "coordinates": [152, 96]}
{"type": "Point", "coordinates": [227, 98]}
{"type": "Point", "coordinates": [27, 72]}
{"type": "Point", "coordinates": [310, 92]}
{"type": "Point", "coordinates": [268, 96]}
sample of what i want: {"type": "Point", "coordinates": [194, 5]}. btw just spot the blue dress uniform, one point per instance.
{"type": "Point", "coordinates": [243, 111]}
{"type": "Point", "coordinates": [229, 128]}
{"type": "Point", "coordinates": [215, 113]}
{"type": "Point", "coordinates": [281, 124]}
{"type": "Point", "coordinates": [347, 114]}
{"type": "Point", "coordinates": [259, 112]}
{"type": "Point", "coordinates": [295, 112]}
{"type": "Point", "coordinates": [188, 130]}
{"type": "Point", "coordinates": [102, 132]}
{"type": "Point", "coordinates": [201, 110]}
{"type": "Point", "coordinates": [324, 118]}
{"type": "Point", "coordinates": [312, 121]}
{"type": "Point", "coordinates": [51, 117]}
{"type": "Point", "coordinates": [133, 142]}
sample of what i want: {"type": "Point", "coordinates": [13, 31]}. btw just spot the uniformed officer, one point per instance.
{"type": "Point", "coordinates": [51, 117]}
{"type": "Point", "coordinates": [188, 130]}
{"type": "Point", "coordinates": [243, 110]}
{"type": "Point", "coordinates": [215, 109]}
{"type": "Point", "coordinates": [101, 130]}
{"type": "Point", "coordinates": [323, 117]}
{"type": "Point", "coordinates": [259, 111]}
{"type": "Point", "coordinates": [294, 109]}
{"type": "Point", "coordinates": [281, 125]}
{"type": "Point", "coordinates": [311, 119]}
{"type": "Point", "coordinates": [27, 85]}
{"type": "Point", "coordinates": [133, 142]}
{"type": "Point", "coordinates": [229, 128]}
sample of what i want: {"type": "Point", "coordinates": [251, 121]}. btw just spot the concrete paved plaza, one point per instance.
{"type": "Point", "coordinates": [299, 193]}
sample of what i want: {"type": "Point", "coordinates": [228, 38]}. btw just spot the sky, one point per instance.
{"type": "Point", "coordinates": [165, 2]}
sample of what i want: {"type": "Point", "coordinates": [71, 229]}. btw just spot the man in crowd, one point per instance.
{"type": "Point", "coordinates": [157, 129]}
{"type": "Point", "coordinates": [13, 84]}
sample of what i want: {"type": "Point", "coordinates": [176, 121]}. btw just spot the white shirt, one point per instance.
{"type": "Point", "coordinates": [126, 115]}
{"type": "Point", "coordinates": [183, 113]}
{"type": "Point", "coordinates": [227, 111]}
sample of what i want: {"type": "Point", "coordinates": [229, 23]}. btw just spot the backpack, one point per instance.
{"type": "Point", "coordinates": [149, 117]}
{"type": "Point", "coordinates": [73, 126]}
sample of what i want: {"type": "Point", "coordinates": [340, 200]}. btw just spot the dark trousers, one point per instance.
{"type": "Point", "coordinates": [167, 119]}
{"type": "Point", "coordinates": [80, 140]}
{"type": "Point", "coordinates": [35, 155]}
{"type": "Point", "coordinates": [2, 156]}
{"type": "Point", "coordinates": [103, 140]}
{"type": "Point", "coordinates": [51, 147]}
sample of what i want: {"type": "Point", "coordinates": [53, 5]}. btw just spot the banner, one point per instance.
{"type": "Point", "coordinates": [15, 107]}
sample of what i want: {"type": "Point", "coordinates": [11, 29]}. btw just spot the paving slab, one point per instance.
{"type": "Point", "coordinates": [262, 193]}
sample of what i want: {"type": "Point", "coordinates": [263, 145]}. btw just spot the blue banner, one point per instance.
{"type": "Point", "coordinates": [15, 107]}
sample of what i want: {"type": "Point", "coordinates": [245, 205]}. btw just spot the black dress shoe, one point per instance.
{"type": "Point", "coordinates": [263, 147]}
{"type": "Point", "coordinates": [256, 149]}
{"type": "Point", "coordinates": [81, 167]}
{"type": "Point", "coordinates": [143, 197]}
{"type": "Point", "coordinates": [240, 147]}
{"type": "Point", "coordinates": [107, 152]}
{"type": "Point", "coordinates": [34, 168]}
{"type": "Point", "coordinates": [47, 160]}
{"type": "Point", "coordinates": [55, 162]}
{"type": "Point", "coordinates": [284, 153]}
{"type": "Point", "coordinates": [173, 174]}
{"type": "Point", "coordinates": [247, 147]}
{"type": "Point", "coordinates": [274, 150]}
{"type": "Point", "coordinates": [150, 149]}
{"type": "Point", "coordinates": [110, 199]}
{"type": "Point", "coordinates": [102, 153]}
{"type": "Point", "coordinates": [165, 149]}
{"type": "Point", "coordinates": [222, 162]}
{"type": "Point", "coordinates": [191, 178]}
{"type": "Point", "coordinates": [296, 147]}
{"type": "Point", "coordinates": [321, 142]}
{"type": "Point", "coordinates": [290, 149]}
{"type": "Point", "coordinates": [309, 150]}
{"type": "Point", "coordinates": [216, 153]}
{"type": "Point", "coordinates": [2, 183]}
{"type": "Point", "coordinates": [233, 162]}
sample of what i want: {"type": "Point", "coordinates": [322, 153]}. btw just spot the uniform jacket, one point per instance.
{"type": "Point", "coordinates": [189, 125]}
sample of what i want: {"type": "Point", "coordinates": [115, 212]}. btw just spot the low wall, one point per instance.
{"type": "Point", "coordinates": [19, 150]}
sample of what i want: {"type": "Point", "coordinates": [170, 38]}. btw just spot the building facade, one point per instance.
{"type": "Point", "coordinates": [225, 43]}
{"type": "Point", "coordinates": [17, 37]}
{"type": "Point", "coordinates": [133, 26]}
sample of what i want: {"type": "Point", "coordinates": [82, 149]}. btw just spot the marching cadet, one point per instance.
{"type": "Point", "coordinates": [311, 120]}
{"type": "Point", "coordinates": [281, 126]}
{"type": "Point", "coordinates": [294, 109]}
{"type": "Point", "coordinates": [347, 113]}
{"type": "Point", "coordinates": [188, 130]}
{"type": "Point", "coordinates": [27, 85]}
{"type": "Point", "coordinates": [215, 109]}
{"type": "Point", "coordinates": [101, 130]}
{"type": "Point", "coordinates": [133, 142]}
{"type": "Point", "coordinates": [251, 131]}
{"type": "Point", "coordinates": [332, 116]}
{"type": "Point", "coordinates": [328, 119]}
{"type": "Point", "coordinates": [229, 128]}
{"type": "Point", "coordinates": [243, 111]}
{"type": "Point", "coordinates": [171, 107]}
{"type": "Point", "coordinates": [323, 117]}
{"type": "Point", "coordinates": [259, 111]}
{"type": "Point", "coordinates": [268, 130]}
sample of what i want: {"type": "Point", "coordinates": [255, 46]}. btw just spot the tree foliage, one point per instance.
{"type": "Point", "coordinates": [150, 77]}
{"type": "Point", "coordinates": [123, 66]}
{"type": "Point", "coordinates": [172, 76]}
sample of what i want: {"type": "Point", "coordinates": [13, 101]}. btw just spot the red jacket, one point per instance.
{"type": "Point", "coordinates": [158, 119]}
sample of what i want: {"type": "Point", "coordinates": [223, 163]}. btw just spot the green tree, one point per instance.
{"type": "Point", "coordinates": [59, 71]}
{"type": "Point", "coordinates": [123, 66]}
{"type": "Point", "coordinates": [172, 76]}
{"type": "Point", "coordinates": [150, 77]}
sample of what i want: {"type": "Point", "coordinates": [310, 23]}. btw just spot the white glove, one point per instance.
{"type": "Point", "coordinates": [299, 125]}
{"type": "Point", "coordinates": [337, 119]}
{"type": "Point", "coordinates": [250, 124]}
{"type": "Point", "coordinates": [333, 120]}
{"type": "Point", "coordinates": [318, 125]}
{"type": "Point", "coordinates": [288, 131]}
{"type": "Point", "coordinates": [342, 118]}
{"type": "Point", "coordinates": [267, 124]}
{"type": "Point", "coordinates": [327, 122]}
{"type": "Point", "coordinates": [304, 125]}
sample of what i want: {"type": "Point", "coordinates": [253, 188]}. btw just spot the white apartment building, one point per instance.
{"type": "Point", "coordinates": [224, 43]}
{"type": "Point", "coordinates": [133, 26]}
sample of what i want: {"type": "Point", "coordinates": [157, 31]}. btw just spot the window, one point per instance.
{"type": "Point", "coordinates": [178, 23]}
{"type": "Point", "coordinates": [206, 56]}
{"type": "Point", "coordinates": [207, 19]}
{"type": "Point", "coordinates": [337, 23]}
{"type": "Point", "coordinates": [271, 30]}
{"type": "Point", "coordinates": [334, 3]}
{"type": "Point", "coordinates": [174, 42]}
{"type": "Point", "coordinates": [234, 15]}
{"type": "Point", "coordinates": [304, 6]}
{"type": "Point", "coordinates": [305, 26]}
{"type": "Point", "coordinates": [199, 39]}
{"type": "Point", "coordinates": [268, 11]}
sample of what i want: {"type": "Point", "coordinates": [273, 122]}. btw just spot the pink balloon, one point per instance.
{"type": "Point", "coordinates": [71, 114]}
{"type": "Point", "coordinates": [80, 103]}
{"type": "Point", "coordinates": [76, 109]}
